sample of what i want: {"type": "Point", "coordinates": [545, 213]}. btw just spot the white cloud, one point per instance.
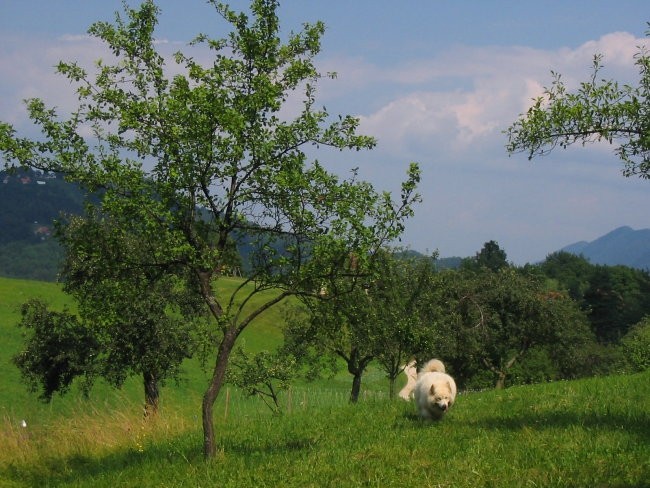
{"type": "Point", "coordinates": [617, 48]}
{"type": "Point", "coordinates": [31, 71]}
{"type": "Point", "coordinates": [469, 95]}
{"type": "Point", "coordinates": [75, 38]}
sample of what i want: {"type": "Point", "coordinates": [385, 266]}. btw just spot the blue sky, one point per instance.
{"type": "Point", "coordinates": [436, 81]}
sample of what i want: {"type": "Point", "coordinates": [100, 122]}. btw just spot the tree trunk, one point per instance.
{"type": "Point", "coordinates": [209, 397]}
{"type": "Point", "coordinates": [356, 387]}
{"type": "Point", "coordinates": [501, 380]}
{"type": "Point", "coordinates": [356, 366]}
{"type": "Point", "coordinates": [391, 387]}
{"type": "Point", "coordinates": [151, 393]}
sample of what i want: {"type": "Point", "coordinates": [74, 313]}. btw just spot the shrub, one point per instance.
{"type": "Point", "coordinates": [635, 346]}
{"type": "Point", "coordinates": [536, 367]}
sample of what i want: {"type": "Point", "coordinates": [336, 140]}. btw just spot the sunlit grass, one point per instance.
{"type": "Point", "coordinates": [560, 434]}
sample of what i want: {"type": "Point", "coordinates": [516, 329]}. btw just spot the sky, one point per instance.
{"type": "Point", "coordinates": [435, 81]}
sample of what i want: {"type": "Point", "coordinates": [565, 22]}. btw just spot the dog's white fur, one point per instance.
{"type": "Point", "coordinates": [434, 390]}
{"type": "Point", "coordinates": [411, 376]}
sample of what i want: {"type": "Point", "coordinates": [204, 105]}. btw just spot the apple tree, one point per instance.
{"type": "Point", "coordinates": [202, 154]}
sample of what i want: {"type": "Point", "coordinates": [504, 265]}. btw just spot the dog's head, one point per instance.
{"type": "Point", "coordinates": [440, 397]}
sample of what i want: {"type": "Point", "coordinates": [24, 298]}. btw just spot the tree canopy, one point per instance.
{"type": "Point", "coordinates": [498, 317]}
{"type": "Point", "coordinates": [146, 317]}
{"type": "Point", "coordinates": [491, 257]}
{"type": "Point", "coordinates": [598, 110]}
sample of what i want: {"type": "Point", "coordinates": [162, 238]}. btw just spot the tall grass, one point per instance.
{"type": "Point", "coordinates": [585, 433]}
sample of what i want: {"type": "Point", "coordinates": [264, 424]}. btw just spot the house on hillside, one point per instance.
{"type": "Point", "coordinates": [43, 232]}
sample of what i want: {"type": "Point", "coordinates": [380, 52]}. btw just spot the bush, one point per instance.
{"type": "Point", "coordinates": [482, 379]}
{"type": "Point", "coordinates": [635, 347]}
{"type": "Point", "coordinates": [536, 367]}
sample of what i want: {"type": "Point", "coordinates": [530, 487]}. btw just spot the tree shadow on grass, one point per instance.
{"type": "Point", "coordinates": [271, 446]}
{"type": "Point", "coordinates": [54, 470]}
{"type": "Point", "coordinates": [182, 451]}
{"type": "Point", "coordinates": [412, 420]}
{"type": "Point", "coordinates": [637, 425]}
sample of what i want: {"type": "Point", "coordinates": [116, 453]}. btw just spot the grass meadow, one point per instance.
{"type": "Point", "coordinates": [587, 433]}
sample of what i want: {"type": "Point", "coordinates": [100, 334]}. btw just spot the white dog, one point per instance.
{"type": "Point", "coordinates": [435, 391]}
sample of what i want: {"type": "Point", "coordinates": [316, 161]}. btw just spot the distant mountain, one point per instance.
{"type": "Point", "coordinates": [622, 246]}
{"type": "Point", "coordinates": [453, 262]}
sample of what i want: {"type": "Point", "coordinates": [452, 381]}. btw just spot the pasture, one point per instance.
{"type": "Point", "coordinates": [591, 432]}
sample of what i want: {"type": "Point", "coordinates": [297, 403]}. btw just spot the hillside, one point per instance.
{"type": "Point", "coordinates": [559, 434]}
{"type": "Point", "coordinates": [30, 202]}
{"type": "Point", "coordinates": [622, 246]}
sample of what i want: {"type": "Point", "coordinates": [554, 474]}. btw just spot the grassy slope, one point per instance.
{"type": "Point", "coordinates": [569, 434]}
{"type": "Point", "coordinates": [14, 399]}
{"type": "Point", "coordinates": [17, 403]}
{"type": "Point", "coordinates": [593, 432]}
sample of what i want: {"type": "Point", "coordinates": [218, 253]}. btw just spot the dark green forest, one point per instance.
{"type": "Point", "coordinates": [30, 203]}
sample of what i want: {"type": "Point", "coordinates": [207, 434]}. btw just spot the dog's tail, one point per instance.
{"type": "Point", "coordinates": [432, 366]}
{"type": "Point", "coordinates": [411, 375]}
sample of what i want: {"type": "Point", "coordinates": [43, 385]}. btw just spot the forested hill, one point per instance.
{"type": "Point", "coordinates": [29, 203]}
{"type": "Point", "coordinates": [622, 246]}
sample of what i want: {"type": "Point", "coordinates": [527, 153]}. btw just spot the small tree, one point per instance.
{"type": "Point", "coordinates": [264, 374]}
{"type": "Point", "coordinates": [391, 319]}
{"type": "Point", "coordinates": [404, 299]}
{"type": "Point", "coordinates": [337, 325]}
{"type": "Point", "coordinates": [599, 110]}
{"type": "Point", "coordinates": [501, 316]}
{"type": "Point", "coordinates": [131, 320]}
{"type": "Point", "coordinates": [58, 349]}
{"type": "Point", "coordinates": [206, 156]}
{"type": "Point", "coordinates": [636, 346]}
{"type": "Point", "coordinates": [147, 317]}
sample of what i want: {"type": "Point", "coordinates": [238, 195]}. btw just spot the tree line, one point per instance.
{"type": "Point", "coordinates": [492, 323]}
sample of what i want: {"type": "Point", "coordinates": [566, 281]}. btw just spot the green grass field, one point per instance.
{"type": "Point", "coordinates": [587, 433]}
